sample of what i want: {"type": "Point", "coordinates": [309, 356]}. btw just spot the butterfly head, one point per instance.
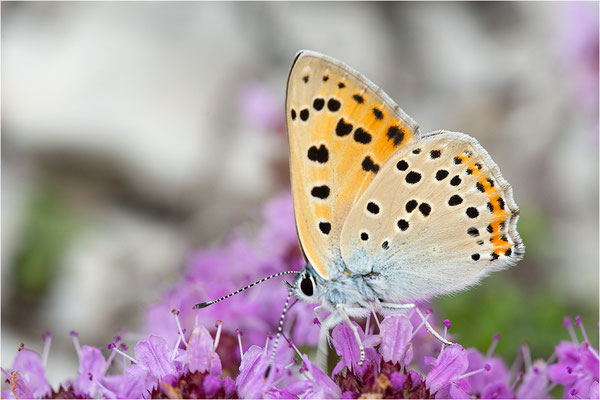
{"type": "Point", "coordinates": [306, 286]}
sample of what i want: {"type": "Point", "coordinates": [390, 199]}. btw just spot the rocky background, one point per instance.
{"type": "Point", "coordinates": [134, 133]}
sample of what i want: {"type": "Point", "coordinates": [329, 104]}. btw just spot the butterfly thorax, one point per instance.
{"type": "Point", "coordinates": [345, 288]}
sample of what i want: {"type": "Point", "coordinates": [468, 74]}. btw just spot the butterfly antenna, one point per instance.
{"type": "Point", "coordinates": [279, 330]}
{"type": "Point", "coordinates": [210, 303]}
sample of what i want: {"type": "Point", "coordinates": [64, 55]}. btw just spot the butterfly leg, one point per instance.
{"type": "Point", "coordinates": [317, 309]}
{"type": "Point", "coordinates": [392, 306]}
{"type": "Point", "coordinates": [344, 315]}
{"type": "Point", "coordinates": [324, 340]}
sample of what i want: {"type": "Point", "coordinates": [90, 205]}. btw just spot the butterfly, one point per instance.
{"type": "Point", "coordinates": [386, 215]}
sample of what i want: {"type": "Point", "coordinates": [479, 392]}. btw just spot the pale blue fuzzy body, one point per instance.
{"type": "Point", "coordinates": [346, 289]}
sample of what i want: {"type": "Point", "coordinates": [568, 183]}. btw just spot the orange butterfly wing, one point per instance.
{"type": "Point", "coordinates": [341, 130]}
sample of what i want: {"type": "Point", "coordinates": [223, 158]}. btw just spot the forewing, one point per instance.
{"type": "Point", "coordinates": [437, 218]}
{"type": "Point", "coordinates": [341, 129]}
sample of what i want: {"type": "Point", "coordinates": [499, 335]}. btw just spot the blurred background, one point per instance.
{"type": "Point", "coordinates": [135, 133]}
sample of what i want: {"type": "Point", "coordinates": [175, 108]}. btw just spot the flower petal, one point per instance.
{"type": "Point", "coordinates": [396, 331]}
{"type": "Point", "coordinates": [451, 363]}
{"type": "Point", "coordinates": [32, 374]}
{"type": "Point", "coordinates": [200, 355]}
{"type": "Point", "coordinates": [589, 361]}
{"type": "Point", "coordinates": [562, 374]}
{"type": "Point", "coordinates": [152, 354]}
{"type": "Point", "coordinates": [535, 382]}
{"type": "Point", "coordinates": [497, 390]}
{"type": "Point", "coordinates": [322, 386]}
{"type": "Point", "coordinates": [568, 353]}
{"type": "Point", "coordinates": [458, 390]}
{"type": "Point", "coordinates": [211, 385]}
{"type": "Point", "coordinates": [92, 367]}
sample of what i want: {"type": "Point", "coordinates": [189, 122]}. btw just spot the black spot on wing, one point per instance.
{"type": "Point", "coordinates": [473, 232]}
{"type": "Point", "coordinates": [455, 200]}
{"type": "Point", "coordinates": [425, 209]}
{"type": "Point", "coordinates": [396, 134]}
{"type": "Point", "coordinates": [293, 114]}
{"type": "Point", "coordinates": [411, 205]}
{"type": "Point", "coordinates": [369, 165]}
{"type": "Point", "coordinates": [304, 114]}
{"type": "Point", "coordinates": [358, 98]}
{"type": "Point", "coordinates": [305, 78]}
{"type": "Point", "coordinates": [435, 154]}
{"type": "Point", "coordinates": [472, 212]}
{"type": "Point", "coordinates": [320, 192]}
{"type": "Point", "coordinates": [403, 224]}
{"type": "Point", "coordinates": [373, 208]}
{"type": "Point", "coordinates": [377, 113]}
{"type": "Point", "coordinates": [325, 227]}
{"type": "Point", "coordinates": [333, 105]}
{"type": "Point", "coordinates": [441, 174]}
{"type": "Point", "coordinates": [343, 128]}
{"type": "Point", "coordinates": [501, 203]}
{"type": "Point", "coordinates": [413, 177]}
{"type": "Point", "coordinates": [402, 165]}
{"type": "Point", "coordinates": [319, 154]}
{"type": "Point", "coordinates": [318, 103]}
{"type": "Point", "coordinates": [362, 136]}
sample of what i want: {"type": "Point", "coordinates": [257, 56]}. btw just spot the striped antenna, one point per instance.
{"type": "Point", "coordinates": [210, 303]}
{"type": "Point", "coordinates": [279, 330]}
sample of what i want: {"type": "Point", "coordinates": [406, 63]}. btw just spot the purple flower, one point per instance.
{"type": "Point", "coordinates": [593, 394]}
{"type": "Point", "coordinates": [346, 346]}
{"type": "Point", "coordinates": [27, 377]}
{"type": "Point", "coordinates": [152, 354]}
{"type": "Point", "coordinates": [577, 365]}
{"type": "Point", "coordinates": [456, 390]}
{"type": "Point", "coordinates": [317, 385]}
{"type": "Point", "coordinates": [589, 360]}
{"type": "Point", "coordinates": [450, 364]}
{"type": "Point", "coordinates": [200, 354]}
{"type": "Point", "coordinates": [211, 385]}
{"type": "Point", "coordinates": [397, 380]}
{"type": "Point", "coordinates": [92, 367]}
{"type": "Point", "coordinates": [497, 390]}
{"type": "Point", "coordinates": [396, 331]}
{"type": "Point", "coordinates": [251, 382]}
{"type": "Point", "coordinates": [497, 376]}
{"type": "Point", "coordinates": [535, 382]}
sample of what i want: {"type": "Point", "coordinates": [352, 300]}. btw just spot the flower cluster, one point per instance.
{"type": "Point", "coordinates": [180, 358]}
{"type": "Point", "coordinates": [456, 372]}
{"type": "Point", "coordinates": [193, 369]}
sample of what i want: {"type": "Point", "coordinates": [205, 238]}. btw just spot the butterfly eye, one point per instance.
{"type": "Point", "coordinates": [306, 286]}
